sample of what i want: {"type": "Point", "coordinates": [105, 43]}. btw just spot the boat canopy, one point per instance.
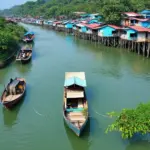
{"type": "Point", "coordinates": [12, 86]}
{"type": "Point", "coordinates": [75, 94]}
{"type": "Point", "coordinates": [75, 80]}
{"type": "Point", "coordinates": [26, 47]}
{"type": "Point", "coordinates": [29, 33]}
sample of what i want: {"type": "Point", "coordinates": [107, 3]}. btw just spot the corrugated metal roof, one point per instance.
{"type": "Point", "coordinates": [79, 25]}
{"type": "Point", "coordinates": [76, 81]}
{"type": "Point", "coordinates": [114, 26]}
{"type": "Point", "coordinates": [145, 12]}
{"type": "Point", "coordinates": [140, 29]}
{"type": "Point", "coordinates": [131, 14]}
{"type": "Point", "coordinates": [92, 26]}
{"type": "Point", "coordinates": [140, 19]}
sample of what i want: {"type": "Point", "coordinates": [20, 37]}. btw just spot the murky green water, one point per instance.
{"type": "Point", "coordinates": [116, 79]}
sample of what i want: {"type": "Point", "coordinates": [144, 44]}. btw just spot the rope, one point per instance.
{"type": "Point", "coordinates": [37, 112]}
{"type": "Point", "coordinates": [106, 116]}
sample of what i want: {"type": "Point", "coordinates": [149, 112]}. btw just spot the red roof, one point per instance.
{"type": "Point", "coordinates": [92, 26]}
{"type": "Point", "coordinates": [140, 29]}
{"type": "Point", "coordinates": [140, 19]}
{"type": "Point", "coordinates": [114, 26]}
{"type": "Point", "coordinates": [57, 22]}
{"type": "Point", "coordinates": [84, 21]}
{"type": "Point", "coordinates": [131, 14]}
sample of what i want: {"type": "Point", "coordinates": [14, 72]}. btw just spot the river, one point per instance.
{"type": "Point", "coordinates": [116, 79]}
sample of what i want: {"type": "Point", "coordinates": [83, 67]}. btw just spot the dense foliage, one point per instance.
{"type": "Point", "coordinates": [132, 121]}
{"type": "Point", "coordinates": [110, 9]}
{"type": "Point", "coordinates": [10, 34]}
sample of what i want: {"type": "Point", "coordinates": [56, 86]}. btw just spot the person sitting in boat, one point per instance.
{"type": "Point", "coordinates": [11, 80]}
{"type": "Point", "coordinates": [23, 55]}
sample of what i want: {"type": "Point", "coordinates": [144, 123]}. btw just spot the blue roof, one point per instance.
{"type": "Point", "coordinates": [32, 33]}
{"type": "Point", "coordinates": [75, 80]}
{"type": "Point", "coordinates": [145, 12]}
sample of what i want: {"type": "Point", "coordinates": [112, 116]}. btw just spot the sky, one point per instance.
{"type": "Point", "coordinates": [9, 3]}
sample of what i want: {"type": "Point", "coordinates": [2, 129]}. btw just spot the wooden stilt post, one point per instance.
{"type": "Point", "coordinates": [144, 44]}
{"type": "Point", "coordinates": [138, 48]}
{"type": "Point", "coordinates": [148, 50]}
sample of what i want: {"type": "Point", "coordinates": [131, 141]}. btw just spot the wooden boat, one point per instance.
{"type": "Point", "coordinates": [73, 140]}
{"type": "Point", "coordinates": [14, 92]}
{"type": "Point", "coordinates": [28, 37]}
{"type": "Point", "coordinates": [75, 105]}
{"type": "Point", "coordinates": [25, 54]}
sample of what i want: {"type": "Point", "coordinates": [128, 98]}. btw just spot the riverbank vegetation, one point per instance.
{"type": "Point", "coordinates": [110, 9]}
{"type": "Point", "coordinates": [131, 121]}
{"type": "Point", "coordinates": [10, 35]}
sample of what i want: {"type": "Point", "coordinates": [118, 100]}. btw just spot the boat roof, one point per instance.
{"type": "Point", "coordinates": [75, 94]}
{"type": "Point", "coordinates": [30, 32]}
{"type": "Point", "coordinates": [14, 84]}
{"type": "Point", "coordinates": [26, 47]}
{"type": "Point", "coordinates": [77, 78]}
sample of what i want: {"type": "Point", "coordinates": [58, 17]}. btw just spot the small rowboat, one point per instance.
{"type": "Point", "coordinates": [24, 55]}
{"type": "Point", "coordinates": [28, 37]}
{"type": "Point", "coordinates": [14, 92]}
{"type": "Point", "coordinates": [75, 106]}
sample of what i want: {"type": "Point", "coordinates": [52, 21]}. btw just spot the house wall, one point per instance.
{"type": "Point", "coordinates": [106, 31]}
{"type": "Point", "coordinates": [89, 31]}
{"type": "Point", "coordinates": [45, 22]}
{"type": "Point", "coordinates": [141, 36]}
{"type": "Point", "coordinates": [127, 35]}
{"type": "Point", "coordinates": [69, 26]}
{"type": "Point", "coordinates": [37, 22]}
{"type": "Point", "coordinates": [83, 29]}
{"type": "Point", "coordinates": [50, 23]}
{"type": "Point", "coordinates": [125, 22]}
{"type": "Point", "coordinates": [145, 24]}
{"type": "Point", "coordinates": [148, 36]}
{"type": "Point", "coordinates": [129, 32]}
{"type": "Point", "coordinates": [74, 28]}
{"type": "Point", "coordinates": [60, 25]}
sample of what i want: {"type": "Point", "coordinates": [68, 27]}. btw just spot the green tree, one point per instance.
{"type": "Point", "coordinates": [131, 121]}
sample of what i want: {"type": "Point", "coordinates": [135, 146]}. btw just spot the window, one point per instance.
{"type": "Point", "coordinates": [133, 35]}
{"type": "Point", "coordinates": [114, 32]}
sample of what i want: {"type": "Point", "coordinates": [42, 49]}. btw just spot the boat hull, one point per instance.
{"type": "Point", "coordinates": [25, 61]}
{"type": "Point", "coordinates": [28, 41]}
{"type": "Point", "coordinates": [77, 131]}
{"type": "Point", "coordinates": [12, 104]}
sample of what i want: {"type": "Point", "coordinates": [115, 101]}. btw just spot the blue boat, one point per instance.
{"type": "Point", "coordinates": [75, 106]}
{"type": "Point", "coordinates": [28, 37]}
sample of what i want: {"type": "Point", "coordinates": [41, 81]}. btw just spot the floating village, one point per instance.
{"type": "Point", "coordinates": [133, 33]}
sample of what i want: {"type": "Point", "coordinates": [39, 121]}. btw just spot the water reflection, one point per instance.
{"type": "Point", "coordinates": [10, 116]}
{"type": "Point", "coordinates": [76, 142]}
{"type": "Point", "coordinates": [115, 60]}
{"type": "Point", "coordinates": [23, 68]}
{"type": "Point", "coordinates": [142, 145]}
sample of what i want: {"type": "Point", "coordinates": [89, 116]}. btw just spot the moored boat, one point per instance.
{"type": "Point", "coordinates": [28, 37]}
{"type": "Point", "coordinates": [75, 106]}
{"type": "Point", "coordinates": [25, 54]}
{"type": "Point", "coordinates": [14, 92]}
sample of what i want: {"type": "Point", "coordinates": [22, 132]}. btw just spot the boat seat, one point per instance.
{"type": "Point", "coordinates": [72, 119]}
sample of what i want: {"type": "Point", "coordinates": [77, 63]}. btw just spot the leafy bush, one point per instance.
{"type": "Point", "coordinates": [132, 121]}
{"type": "Point", "coordinates": [10, 34]}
